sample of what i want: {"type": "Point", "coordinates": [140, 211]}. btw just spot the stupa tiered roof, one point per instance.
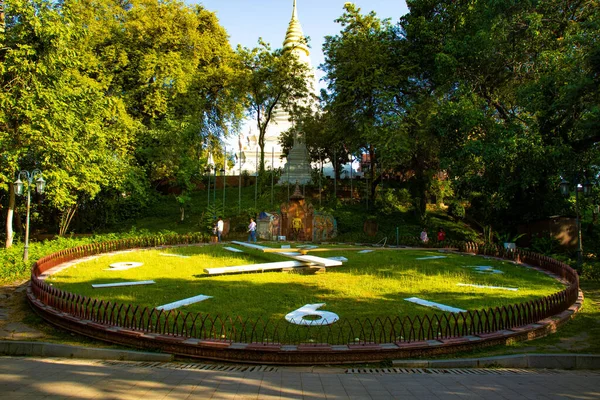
{"type": "Point", "coordinates": [294, 38]}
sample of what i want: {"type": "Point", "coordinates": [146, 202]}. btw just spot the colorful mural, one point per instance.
{"type": "Point", "coordinates": [268, 226]}
{"type": "Point", "coordinates": [324, 227]}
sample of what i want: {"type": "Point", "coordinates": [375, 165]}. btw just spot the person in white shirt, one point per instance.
{"type": "Point", "coordinates": [220, 228]}
{"type": "Point", "coordinates": [424, 237]}
{"type": "Point", "coordinates": [252, 231]}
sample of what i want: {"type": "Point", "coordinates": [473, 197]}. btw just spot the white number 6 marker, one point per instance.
{"type": "Point", "coordinates": [309, 315]}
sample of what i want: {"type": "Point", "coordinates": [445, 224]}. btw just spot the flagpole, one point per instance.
{"type": "Point", "coordinates": [335, 175]}
{"type": "Point", "coordinates": [240, 183]}
{"type": "Point", "coordinates": [256, 179]}
{"type": "Point", "coordinates": [209, 172]}
{"type": "Point", "coordinates": [320, 173]}
{"type": "Point", "coordinates": [351, 177]}
{"type": "Point", "coordinates": [224, 177]}
{"type": "Point", "coordinates": [272, 172]}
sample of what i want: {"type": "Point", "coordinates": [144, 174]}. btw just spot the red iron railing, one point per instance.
{"type": "Point", "coordinates": [392, 329]}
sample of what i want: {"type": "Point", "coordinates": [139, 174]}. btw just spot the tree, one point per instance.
{"type": "Point", "coordinates": [54, 114]}
{"type": "Point", "coordinates": [516, 92]}
{"type": "Point", "coordinates": [272, 79]}
{"type": "Point", "coordinates": [322, 137]}
{"type": "Point", "coordinates": [361, 88]}
{"type": "Point", "coordinates": [93, 91]}
{"type": "Point", "coordinates": [193, 98]}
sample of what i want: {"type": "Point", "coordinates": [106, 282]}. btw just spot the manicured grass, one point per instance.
{"type": "Point", "coordinates": [579, 335]}
{"type": "Point", "coordinates": [367, 286]}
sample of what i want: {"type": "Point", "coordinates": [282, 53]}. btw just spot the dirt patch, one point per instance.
{"type": "Point", "coordinates": [13, 310]}
{"type": "Point", "coordinates": [575, 343]}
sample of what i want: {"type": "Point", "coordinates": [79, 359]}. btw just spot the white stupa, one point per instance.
{"type": "Point", "coordinates": [281, 119]}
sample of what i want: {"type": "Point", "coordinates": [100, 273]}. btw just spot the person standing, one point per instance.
{"type": "Point", "coordinates": [424, 237]}
{"type": "Point", "coordinates": [441, 235]}
{"type": "Point", "coordinates": [220, 228]}
{"type": "Point", "coordinates": [252, 231]}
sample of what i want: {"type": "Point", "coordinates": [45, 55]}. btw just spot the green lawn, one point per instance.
{"type": "Point", "coordinates": [579, 335]}
{"type": "Point", "coordinates": [368, 285]}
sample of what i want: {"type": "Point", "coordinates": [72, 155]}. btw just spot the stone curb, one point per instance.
{"type": "Point", "coordinates": [539, 361]}
{"type": "Point", "coordinates": [546, 361]}
{"type": "Point", "coordinates": [40, 349]}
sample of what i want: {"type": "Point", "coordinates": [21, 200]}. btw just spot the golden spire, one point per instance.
{"type": "Point", "coordinates": [294, 38]}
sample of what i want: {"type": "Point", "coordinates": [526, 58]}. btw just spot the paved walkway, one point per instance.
{"type": "Point", "coordinates": [36, 378]}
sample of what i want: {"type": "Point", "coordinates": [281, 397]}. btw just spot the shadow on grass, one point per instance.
{"type": "Point", "coordinates": [364, 291]}
{"type": "Point", "coordinates": [266, 300]}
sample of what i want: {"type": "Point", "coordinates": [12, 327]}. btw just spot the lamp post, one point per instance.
{"type": "Point", "coordinates": [40, 185]}
{"type": "Point", "coordinates": [586, 189]}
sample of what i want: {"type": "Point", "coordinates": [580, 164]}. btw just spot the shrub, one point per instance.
{"type": "Point", "coordinates": [456, 209]}
{"type": "Point", "coordinates": [545, 244]}
{"type": "Point", "coordinates": [389, 200]}
{"type": "Point", "coordinates": [590, 271]}
{"type": "Point", "coordinates": [12, 266]}
{"type": "Point", "coordinates": [441, 190]}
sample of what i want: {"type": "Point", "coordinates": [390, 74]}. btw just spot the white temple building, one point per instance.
{"type": "Point", "coordinates": [281, 120]}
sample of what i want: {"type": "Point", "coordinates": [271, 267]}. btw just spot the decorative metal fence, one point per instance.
{"type": "Point", "coordinates": [226, 329]}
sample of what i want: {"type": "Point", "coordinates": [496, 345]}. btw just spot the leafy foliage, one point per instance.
{"type": "Point", "coordinates": [106, 97]}
{"type": "Point", "coordinates": [456, 209]}
{"type": "Point", "coordinates": [272, 79]}
{"type": "Point", "coordinates": [12, 266]}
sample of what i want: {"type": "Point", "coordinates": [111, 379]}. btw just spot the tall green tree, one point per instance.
{"type": "Point", "coordinates": [271, 79]}
{"type": "Point", "coordinates": [516, 92]}
{"type": "Point", "coordinates": [172, 67]}
{"type": "Point", "coordinates": [54, 115]}
{"type": "Point", "coordinates": [191, 89]}
{"type": "Point", "coordinates": [360, 86]}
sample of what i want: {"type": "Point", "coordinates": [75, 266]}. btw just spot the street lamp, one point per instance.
{"type": "Point", "coordinates": [586, 189]}
{"type": "Point", "coordinates": [40, 185]}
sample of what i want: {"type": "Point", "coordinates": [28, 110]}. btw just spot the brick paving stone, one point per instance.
{"type": "Point", "coordinates": [382, 396]}
{"type": "Point", "coordinates": [46, 378]}
{"type": "Point", "coordinates": [336, 394]}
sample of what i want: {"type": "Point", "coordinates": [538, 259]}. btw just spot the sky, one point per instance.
{"type": "Point", "coordinates": [247, 20]}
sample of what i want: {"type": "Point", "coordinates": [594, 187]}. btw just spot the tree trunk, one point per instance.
{"type": "Point", "coordinates": [373, 172]}
{"type": "Point", "coordinates": [374, 185]}
{"type": "Point", "coordinates": [421, 188]}
{"type": "Point", "coordinates": [261, 144]}
{"type": "Point", "coordinates": [18, 222]}
{"type": "Point", "coordinates": [66, 218]}
{"type": "Point", "coordinates": [9, 216]}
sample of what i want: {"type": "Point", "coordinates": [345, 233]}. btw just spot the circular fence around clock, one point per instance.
{"type": "Point", "coordinates": [248, 339]}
